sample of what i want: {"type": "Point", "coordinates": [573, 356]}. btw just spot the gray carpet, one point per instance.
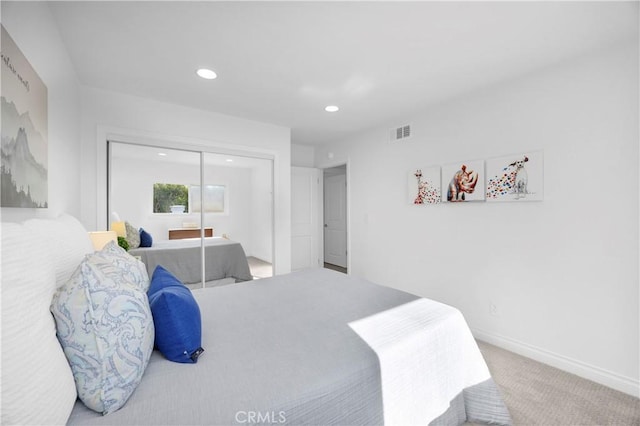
{"type": "Point", "coordinates": [537, 394]}
{"type": "Point", "coordinates": [261, 269]}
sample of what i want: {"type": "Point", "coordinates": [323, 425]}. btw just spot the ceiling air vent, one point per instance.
{"type": "Point", "coordinates": [400, 133]}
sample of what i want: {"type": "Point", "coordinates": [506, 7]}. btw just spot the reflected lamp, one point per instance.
{"type": "Point", "coordinates": [102, 238]}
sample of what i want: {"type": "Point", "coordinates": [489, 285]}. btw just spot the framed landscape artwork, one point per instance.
{"type": "Point", "coordinates": [24, 131]}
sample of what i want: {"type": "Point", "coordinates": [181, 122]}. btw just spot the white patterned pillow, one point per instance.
{"type": "Point", "coordinates": [106, 329]}
{"type": "Point", "coordinates": [115, 258]}
{"type": "Point", "coordinates": [37, 384]}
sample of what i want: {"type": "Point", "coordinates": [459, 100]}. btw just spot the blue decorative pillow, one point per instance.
{"type": "Point", "coordinates": [176, 317]}
{"type": "Point", "coordinates": [105, 327]}
{"type": "Point", "coordinates": [145, 238]}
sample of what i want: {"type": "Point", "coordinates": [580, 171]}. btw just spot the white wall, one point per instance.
{"type": "Point", "coordinates": [563, 273]}
{"type": "Point", "coordinates": [302, 155]}
{"type": "Point", "coordinates": [31, 26]}
{"type": "Point", "coordinates": [105, 114]}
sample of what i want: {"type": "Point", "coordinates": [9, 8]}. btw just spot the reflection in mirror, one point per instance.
{"type": "Point", "coordinates": [149, 190]}
{"type": "Point", "coordinates": [160, 192]}
{"type": "Point", "coordinates": [246, 222]}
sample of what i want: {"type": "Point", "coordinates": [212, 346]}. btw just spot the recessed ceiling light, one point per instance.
{"type": "Point", "coordinates": [162, 154]}
{"type": "Point", "coordinates": [206, 73]}
{"type": "Point", "coordinates": [331, 108]}
{"type": "Point", "coordinates": [229, 160]}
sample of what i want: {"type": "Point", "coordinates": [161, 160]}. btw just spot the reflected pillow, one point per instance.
{"type": "Point", "coordinates": [176, 317]}
{"type": "Point", "coordinates": [133, 237]}
{"type": "Point", "coordinates": [145, 238]}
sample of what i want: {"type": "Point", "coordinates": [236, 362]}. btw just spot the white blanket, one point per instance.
{"type": "Point", "coordinates": [427, 357]}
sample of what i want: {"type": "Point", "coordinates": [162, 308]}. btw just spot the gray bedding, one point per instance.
{"type": "Point", "coordinates": [223, 259]}
{"type": "Point", "coordinates": [280, 351]}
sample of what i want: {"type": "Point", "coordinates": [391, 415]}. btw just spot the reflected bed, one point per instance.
{"type": "Point", "coordinates": [225, 260]}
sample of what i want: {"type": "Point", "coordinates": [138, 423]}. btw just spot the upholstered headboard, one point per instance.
{"type": "Point", "coordinates": [38, 256]}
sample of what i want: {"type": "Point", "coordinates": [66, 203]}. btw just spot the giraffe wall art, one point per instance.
{"type": "Point", "coordinates": [424, 186]}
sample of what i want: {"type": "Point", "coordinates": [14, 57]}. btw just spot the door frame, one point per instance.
{"type": "Point", "coordinates": [347, 213]}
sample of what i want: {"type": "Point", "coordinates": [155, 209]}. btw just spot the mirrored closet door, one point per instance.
{"type": "Point", "coordinates": [205, 217]}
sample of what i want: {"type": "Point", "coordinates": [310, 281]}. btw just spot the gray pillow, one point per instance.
{"type": "Point", "coordinates": [133, 236]}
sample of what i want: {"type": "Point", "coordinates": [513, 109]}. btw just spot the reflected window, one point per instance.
{"type": "Point", "coordinates": [170, 198]}
{"type": "Point", "coordinates": [214, 198]}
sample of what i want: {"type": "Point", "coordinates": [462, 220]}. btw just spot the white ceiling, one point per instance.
{"type": "Point", "coordinates": [283, 62]}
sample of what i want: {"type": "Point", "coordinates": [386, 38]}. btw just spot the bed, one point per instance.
{"type": "Point", "coordinates": [225, 260]}
{"type": "Point", "coordinates": [287, 347]}
{"type": "Point", "coordinates": [313, 347]}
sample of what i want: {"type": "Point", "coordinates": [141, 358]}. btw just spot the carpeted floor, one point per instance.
{"type": "Point", "coordinates": [261, 269]}
{"type": "Point", "coordinates": [537, 394]}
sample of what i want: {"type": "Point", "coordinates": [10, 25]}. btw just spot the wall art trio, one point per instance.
{"type": "Point", "coordinates": [512, 178]}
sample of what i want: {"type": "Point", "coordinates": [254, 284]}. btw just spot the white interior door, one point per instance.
{"type": "Point", "coordinates": [304, 218]}
{"type": "Point", "coordinates": [335, 220]}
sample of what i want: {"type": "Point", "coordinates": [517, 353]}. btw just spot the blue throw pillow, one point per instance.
{"type": "Point", "coordinates": [176, 317]}
{"type": "Point", "coordinates": [145, 238]}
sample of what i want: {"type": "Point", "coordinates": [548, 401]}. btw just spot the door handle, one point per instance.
{"type": "Point", "coordinates": [325, 225]}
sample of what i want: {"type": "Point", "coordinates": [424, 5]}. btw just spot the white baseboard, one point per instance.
{"type": "Point", "coordinates": [607, 378]}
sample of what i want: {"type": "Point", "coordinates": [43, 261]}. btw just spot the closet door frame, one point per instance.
{"type": "Point", "coordinates": [107, 134]}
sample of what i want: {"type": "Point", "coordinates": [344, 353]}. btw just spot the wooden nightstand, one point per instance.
{"type": "Point", "coordinates": [180, 233]}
